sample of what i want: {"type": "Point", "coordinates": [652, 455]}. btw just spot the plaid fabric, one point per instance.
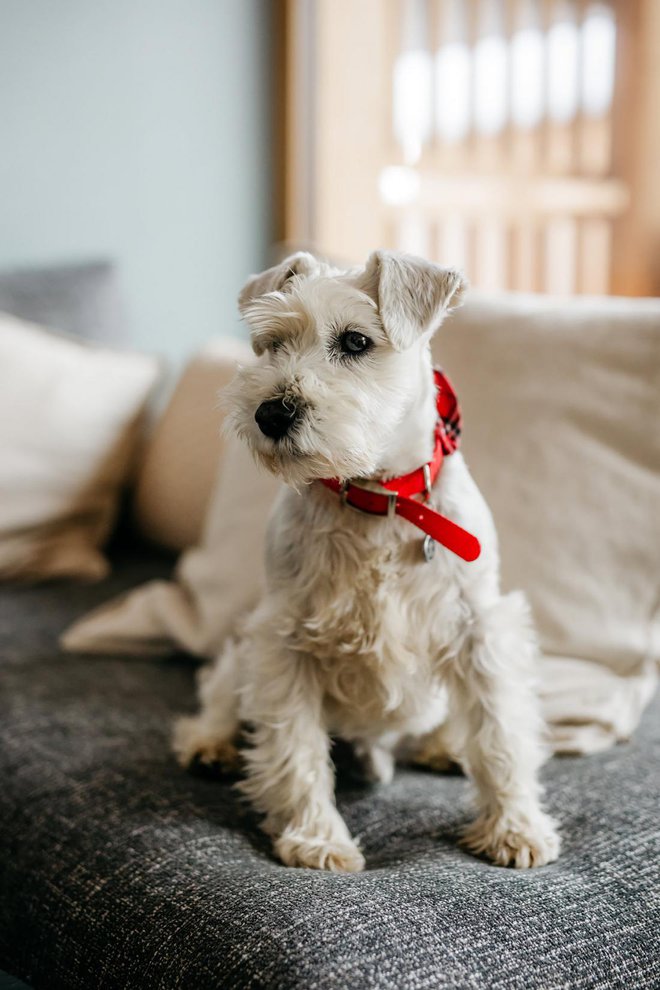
{"type": "Point", "coordinates": [450, 422]}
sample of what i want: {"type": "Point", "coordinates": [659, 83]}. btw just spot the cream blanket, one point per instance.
{"type": "Point", "coordinates": [561, 405]}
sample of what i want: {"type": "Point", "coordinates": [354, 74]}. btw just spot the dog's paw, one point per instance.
{"type": "Point", "coordinates": [523, 843]}
{"type": "Point", "coordinates": [193, 741]}
{"type": "Point", "coordinates": [295, 848]}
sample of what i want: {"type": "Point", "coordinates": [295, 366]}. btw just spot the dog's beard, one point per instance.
{"type": "Point", "coordinates": [294, 468]}
{"type": "Point", "coordinates": [299, 461]}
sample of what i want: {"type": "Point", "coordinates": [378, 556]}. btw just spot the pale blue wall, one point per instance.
{"type": "Point", "coordinates": [139, 130]}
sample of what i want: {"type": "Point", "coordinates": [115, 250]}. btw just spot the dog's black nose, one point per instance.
{"type": "Point", "coordinates": [275, 418]}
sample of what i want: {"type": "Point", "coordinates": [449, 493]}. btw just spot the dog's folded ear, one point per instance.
{"type": "Point", "coordinates": [412, 295]}
{"type": "Point", "coordinates": [275, 279]}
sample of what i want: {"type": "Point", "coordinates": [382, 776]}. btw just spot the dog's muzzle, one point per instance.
{"type": "Point", "coordinates": [275, 417]}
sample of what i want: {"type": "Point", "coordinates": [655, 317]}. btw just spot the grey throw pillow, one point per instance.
{"type": "Point", "coordinates": [80, 299]}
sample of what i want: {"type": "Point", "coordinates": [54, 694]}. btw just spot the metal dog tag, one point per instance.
{"type": "Point", "coordinates": [428, 546]}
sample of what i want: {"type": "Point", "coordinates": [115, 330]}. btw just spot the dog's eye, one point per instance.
{"type": "Point", "coordinates": [353, 342]}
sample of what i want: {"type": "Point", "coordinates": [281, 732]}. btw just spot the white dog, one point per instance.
{"type": "Point", "coordinates": [363, 632]}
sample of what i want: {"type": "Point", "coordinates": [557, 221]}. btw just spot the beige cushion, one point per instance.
{"type": "Point", "coordinates": [69, 428]}
{"type": "Point", "coordinates": [561, 403]}
{"type": "Point", "coordinates": [561, 406]}
{"type": "Point", "coordinates": [181, 459]}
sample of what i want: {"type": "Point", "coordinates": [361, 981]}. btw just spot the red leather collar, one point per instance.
{"type": "Point", "coordinates": [397, 495]}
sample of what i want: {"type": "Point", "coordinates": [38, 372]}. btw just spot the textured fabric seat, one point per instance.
{"type": "Point", "coordinates": [117, 869]}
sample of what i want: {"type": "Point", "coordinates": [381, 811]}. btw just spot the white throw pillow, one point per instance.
{"type": "Point", "coordinates": [69, 424]}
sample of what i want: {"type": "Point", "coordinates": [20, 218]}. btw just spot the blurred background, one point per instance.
{"type": "Point", "coordinates": [190, 142]}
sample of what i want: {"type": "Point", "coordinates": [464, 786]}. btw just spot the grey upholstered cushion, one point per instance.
{"type": "Point", "coordinates": [9, 982]}
{"type": "Point", "coordinates": [119, 870]}
{"type": "Point", "coordinates": [82, 299]}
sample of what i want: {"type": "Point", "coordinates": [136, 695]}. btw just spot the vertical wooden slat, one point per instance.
{"type": "Point", "coordinates": [593, 250]}
{"type": "Point", "coordinates": [636, 148]}
{"type": "Point", "coordinates": [490, 265]}
{"type": "Point", "coordinates": [560, 260]}
{"type": "Point", "coordinates": [414, 234]}
{"type": "Point", "coordinates": [392, 35]}
{"type": "Point", "coordinates": [298, 173]}
{"type": "Point", "coordinates": [414, 82]}
{"type": "Point", "coordinates": [540, 257]}
{"type": "Point", "coordinates": [350, 133]}
{"type": "Point", "coordinates": [450, 18]}
{"type": "Point", "coordinates": [594, 131]}
{"type": "Point", "coordinates": [489, 60]}
{"type": "Point", "coordinates": [282, 117]}
{"type": "Point", "coordinates": [435, 19]}
{"type": "Point", "coordinates": [390, 233]}
{"type": "Point", "coordinates": [510, 18]}
{"type": "Point", "coordinates": [525, 26]}
{"type": "Point", "coordinates": [472, 28]}
{"type": "Point", "coordinates": [595, 146]}
{"type": "Point", "coordinates": [435, 241]}
{"type": "Point", "coordinates": [525, 271]}
{"type": "Point", "coordinates": [470, 235]}
{"type": "Point", "coordinates": [561, 16]}
{"type": "Point", "coordinates": [453, 248]}
{"type": "Point", "coordinates": [579, 123]}
{"type": "Point", "coordinates": [526, 259]}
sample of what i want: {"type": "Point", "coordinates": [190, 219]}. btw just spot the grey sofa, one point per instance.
{"type": "Point", "coordinates": [119, 870]}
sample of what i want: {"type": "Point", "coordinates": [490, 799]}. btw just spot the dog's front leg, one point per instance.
{"type": "Point", "coordinates": [493, 686]}
{"type": "Point", "coordinates": [290, 777]}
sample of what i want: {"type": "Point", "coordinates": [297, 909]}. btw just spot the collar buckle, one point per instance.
{"type": "Point", "coordinates": [377, 490]}
{"type": "Point", "coordinates": [428, 484]}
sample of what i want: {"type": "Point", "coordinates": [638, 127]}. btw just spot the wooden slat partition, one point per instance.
{"type": "Point", "coordinates": [528, 196]}
{"type": "Point", "coordinates": [488, 133]}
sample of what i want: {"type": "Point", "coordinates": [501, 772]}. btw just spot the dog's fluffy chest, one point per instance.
{"type": "Point", "coordinates": [373, 615]}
